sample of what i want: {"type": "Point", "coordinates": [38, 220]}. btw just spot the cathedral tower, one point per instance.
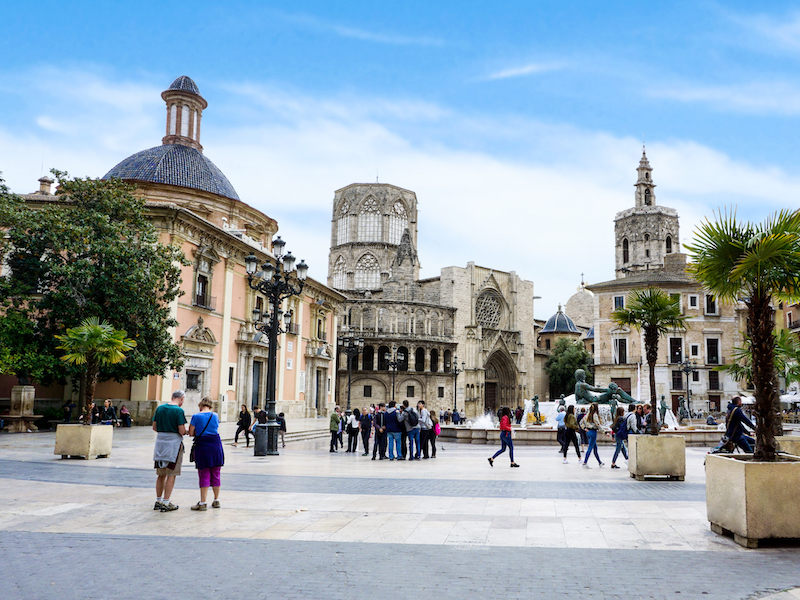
{"type": "Point", "coordinates": [647, 232]}
{"type": "Point", "coordinates": [373, 236]}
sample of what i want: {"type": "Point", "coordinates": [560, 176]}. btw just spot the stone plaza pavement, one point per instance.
{"type": "Point", "coordinates": [311, 524]}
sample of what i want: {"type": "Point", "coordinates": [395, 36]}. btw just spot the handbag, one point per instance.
{"type": "Point", "coordinates": [194, 443]}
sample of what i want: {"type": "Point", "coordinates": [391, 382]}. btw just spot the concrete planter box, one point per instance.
{"type": "Point", "coordinates": [789, 444]}
{"type": "Point", "coordinates": [753, 500]}
{"type": "Point", "coordinates": [657, 456]}
{"type": "Point", "coordinates": [86, 441]}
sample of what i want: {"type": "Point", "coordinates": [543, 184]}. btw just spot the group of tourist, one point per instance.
{"type": "Point", "coordinates": [100, 415]}
{"type": "Point", "coordinates": [407, 432]}
{"type": "Point", "coordinates": [247, 424]}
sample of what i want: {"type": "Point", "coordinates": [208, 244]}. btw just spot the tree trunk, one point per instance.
{"type": "Point", "coordinates": [651, 352]}
{"type": "Point", "coordinates": [92, 372]}
{"type": "Point", "coordinates": [760, 319]}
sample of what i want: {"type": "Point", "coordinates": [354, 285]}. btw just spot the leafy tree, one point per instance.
{"type": "Point", "coordinates": [755, 264]}
{"type": "Point", "coordinates": [567, 356]}
{"type": "Point", "coordinates": [653, 312]}
{"type": "Point", "coordinates": [91, 252]}
{"type": "Point", "coordinates": [93, 345]}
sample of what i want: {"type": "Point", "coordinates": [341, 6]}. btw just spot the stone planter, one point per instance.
{"type": "Point", "coordinates": [789, 444]}
{"type": "Point", "coordinates": [753, 500]}
{"type": "Point", "coordinates": [84, 441]}
{"type": "Point", "coordinates": [657, 456]}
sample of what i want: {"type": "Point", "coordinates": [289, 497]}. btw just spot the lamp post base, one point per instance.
{"type": "Point", "coordinates": [272, 438]}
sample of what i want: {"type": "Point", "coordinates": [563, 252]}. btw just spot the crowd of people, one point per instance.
{"type": "Point", "coordinates": [397, 431]}
{"type": "Point", "coordinates": [100, 415]}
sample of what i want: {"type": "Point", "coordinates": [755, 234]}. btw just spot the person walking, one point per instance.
{"type": "Point", "coordinates": [334, 427]}
{"type": "Point", "coordinates": [591, 424]}
{"type": "Point", "coordinates": [425, 428]}
{"type": "Point", "coordinates": [571, 432]}
{"type": "Point", "coordinates": [620, 430]}
{"type": "Point", "coordinates": [281, 419]}
{"type": "Point", "coordinates": [561, 430]}
{"type": "Point", "coordinates": [365, 424]}
{"type": "Point", "coordinates": [243, 424]}
{"type": "Point", "coordinates": [352, 430]}
{"type": "Point", "coordinates": [505, 437]}
{"type": "Point", "coordinates": [209, 457]}
{"type": "Point", "coordinates": [169, 423]}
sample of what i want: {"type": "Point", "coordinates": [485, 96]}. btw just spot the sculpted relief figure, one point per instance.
{"type": "Point", "coordinates": [582, 389]}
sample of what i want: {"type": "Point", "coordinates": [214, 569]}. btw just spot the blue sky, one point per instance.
{"type": "Point", "coordinates": [518, 124]}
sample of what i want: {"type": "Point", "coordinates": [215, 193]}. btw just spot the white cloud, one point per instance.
{"type": "Point", "coordinates": [529, 69]}
{"type": "Point", "coordinates": [777, 97]}
{"type": "Point", "coordinates": [346, 31]}
{"type": "Point", "coordinates": [545, 211]}
{"type": "Point", "coordinates": [778, 31]}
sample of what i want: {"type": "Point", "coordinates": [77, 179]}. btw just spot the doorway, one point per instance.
{"type": "Point", "coordinates": [256, 383]}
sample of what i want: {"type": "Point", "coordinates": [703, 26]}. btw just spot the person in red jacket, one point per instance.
{"type": "Point", "coordinates": [505, 436]}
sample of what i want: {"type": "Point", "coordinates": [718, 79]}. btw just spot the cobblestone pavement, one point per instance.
{"type": "Point", "coordinates": [311, 524]}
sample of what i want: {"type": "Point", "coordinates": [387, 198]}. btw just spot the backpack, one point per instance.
{"type": "Point", "coordinates": [622, 428]}
{"type": "Point", "coordinates": [412, 418]}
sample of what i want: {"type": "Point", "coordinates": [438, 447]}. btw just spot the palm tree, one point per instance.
{"type": "Point", "coordinates": [94, 344]}
{"type": "Point", "coordinates": [755, 264]}
{"type": "Point", "coordinates": [654, 313]}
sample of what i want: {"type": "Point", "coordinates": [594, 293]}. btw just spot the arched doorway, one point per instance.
{"type": "Point", "coordinates": [500, 378]}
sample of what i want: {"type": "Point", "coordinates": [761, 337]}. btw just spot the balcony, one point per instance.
{"type": "Point", "coordinates": [205, 301]}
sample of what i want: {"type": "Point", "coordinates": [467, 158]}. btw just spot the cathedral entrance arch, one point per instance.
{"type": "Point", "coordinates": [500, 377]}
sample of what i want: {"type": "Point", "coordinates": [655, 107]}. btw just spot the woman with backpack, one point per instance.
{"type": "Point", "coordinates": [620, 429]}
{"type": "Point", "coordinates": [571, 433]}
{"type": "Point", "coordinates": [505, 437]}
{"type": "Point", "coordinates": [591, 423]}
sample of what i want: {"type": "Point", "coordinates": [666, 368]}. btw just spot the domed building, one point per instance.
{"type": "Point", "coordinates": [194, 206]}
{"type": "Point", "coordinates": [557, 327]}
{"type": "Point", "coordinates": [580, 307]}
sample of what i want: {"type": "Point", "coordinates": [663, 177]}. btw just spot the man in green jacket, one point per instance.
{"type": "Point", "coordinates": [336, 416]}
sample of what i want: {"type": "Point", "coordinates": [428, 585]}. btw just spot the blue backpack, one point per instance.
{"type": "Point", "coordinates": [622, 428]}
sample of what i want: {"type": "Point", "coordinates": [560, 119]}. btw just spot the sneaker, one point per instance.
{"type": "Point", "coordinates": [491, 462]}
{"type": "Point", "coordinates": [602, 464]}
{"type": "Point", "coordinates": [215, 504]}
{"type": "Point", "coordinates": [586, 466]}
{"type": "Point", "coordinates": [158, 505]}
{"type": "Point", "coordinates": [614, 467]}
{"type": "Point", "coordinates": [565, 461]}
{"type": "Point", "coordinates": [168, 506]}
{"type": "Point", "coordinates": [199, 506]}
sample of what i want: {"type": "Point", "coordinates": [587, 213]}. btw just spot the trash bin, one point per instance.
{"type": "Point", "coordinates": [260, 435]}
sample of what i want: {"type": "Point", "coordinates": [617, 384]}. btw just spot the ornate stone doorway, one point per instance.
{"type": "Point", "coordinates": [500, 378]}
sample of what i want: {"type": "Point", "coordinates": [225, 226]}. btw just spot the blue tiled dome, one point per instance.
{"type": "Point", "coordinates": [590, 335]}
{"type": "Point", "coordinates": [185, 84]}
{"type": "Point", "coordinates": [559, 323]}
{"type": "Point", "coordinates": [175, 164]}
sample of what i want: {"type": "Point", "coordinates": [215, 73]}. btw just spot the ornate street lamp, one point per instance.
{"type": "Point", "coordinates": [394, 361]}
{"type": "Point", "coordinates": [352, 346]}
{"type": "Point", "coordinates": [276, 282]}
{"type": "Point", "coordinates": [688, 367]}
{"type": "Point", "coordinates": [455, 371]}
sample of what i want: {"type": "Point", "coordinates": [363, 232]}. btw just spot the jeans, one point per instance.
{"type": "Point", "coordinates": [380, 445]}
{"type": "Point", "coordinates": [395, 445]}
{"type": "Point", "coordinates": [413, 439]}
{"type": "Point", "coordinates": [365, 439]}
{"type": "Point", "coordinates": [743, 442]}
{"type": "Point", "coordinates": [561, 438]}
{"type": "Point", "coordinates": [352, 441]}
{"type": "Point", "coordinates": [591, 434]}
{"type": "Point", "coordinates": [425, 436]}
{"type": "Point", "coordinates": [620, 447]}
{"type": "Point", "coordinates": [505, 440]}
{"type": "Point", "coordinates": [334, 440]}
{"type": "Point", "coordinates": [571, 437]}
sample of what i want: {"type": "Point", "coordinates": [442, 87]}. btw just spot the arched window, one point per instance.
{"type": "Point", "coordinates": [343, 224]}
{"type": "Point", "coordinates": [647, 197]}
{"type": "Point", "coordinates": [447, 361]}
{"type": "Point", "coordinates": [419, 359]}
{"type": "Point", "coordinates": [646, 237]}
{"type": "Point", "coordinates": [340, 273]}
{"type": "Point", "coordinates": [402, 358]}
{"type": "Point", "coordinates": [434, 360]}
{"type": "Point", "coordinates": [669, 244]}
{"type": "Point", "coordinates": [419, 327]}
{"type": "Point", "coordinates": [185, 121]}
{"type": "Point", "coordinates": [369, 358]}
{"type": "Point", "coordinates": [434, 324]}
{"type": "Point", "coordinates": [368, 276]}
{"type": "Point", "coordinates": [625, 256]}
{"type": "Point", "coordinates": [369, 222]}
{"type": "Point", "coordinates": [383, 358]}
{"type": "Point", "coordinates": [398, 222]}
{"type": "Point", "coordinates": [402, 324]}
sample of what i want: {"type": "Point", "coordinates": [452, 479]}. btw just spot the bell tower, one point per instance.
{"type": "Point", "coordinates": [647, 232]}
